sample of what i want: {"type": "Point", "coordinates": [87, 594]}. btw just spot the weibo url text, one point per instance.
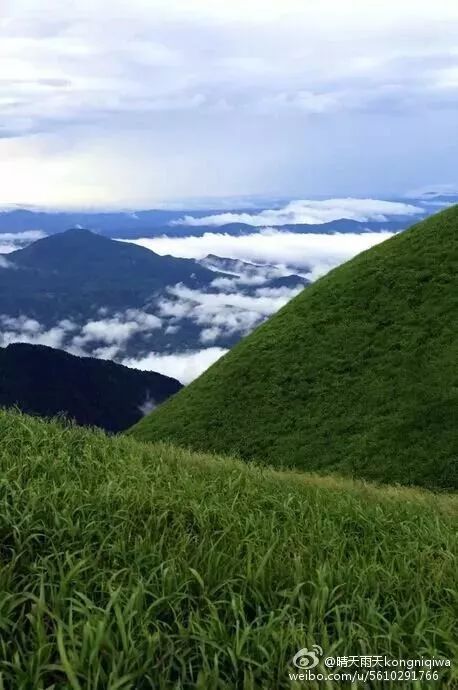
{"type": "Point", "coordinates": [366, 675]}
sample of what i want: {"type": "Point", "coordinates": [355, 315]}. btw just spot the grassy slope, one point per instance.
{"type": "Point", "coordinates": [357, 374]}
{"type": "Point", "coordinates": [125, 565]}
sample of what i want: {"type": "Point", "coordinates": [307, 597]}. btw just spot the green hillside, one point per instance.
{"type": "Point", "coordinates": [358, 374]}
{"type": "Point", "coordinates": [135, 566]}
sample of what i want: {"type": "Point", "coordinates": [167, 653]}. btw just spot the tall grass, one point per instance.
{"type": "Point", "coordinates": [125, 565]}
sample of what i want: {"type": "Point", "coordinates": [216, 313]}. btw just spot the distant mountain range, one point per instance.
{"type": "Point", "coordinates": [155, 223]}
{"type": "Point", "coordinates": [254, 275]}
{"type": "Point", "coordinates": [80, 291]}
{"type": "Point", "coordinates": [114, 223]}
{"type": "Point", "coordinates": [47, 382]}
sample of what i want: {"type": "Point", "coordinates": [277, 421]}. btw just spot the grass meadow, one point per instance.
{"type": "Point", "coordinates": [130, 566]}
{"type": "Point", "coordinates": [356, 375]}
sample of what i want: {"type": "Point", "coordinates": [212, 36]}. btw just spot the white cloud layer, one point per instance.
{"type": "Point", "coordinates": [242, 273]}
{"type": "Point", "coordinates": [111, 334]}
{"type": "Point", "coordinates": [10, 241]}
{"type": "Point", "coordinates": [184, 366]}
{"type": "Point", "coordinates": [313, 254]}
{"type": "Point", "coordinates": [114, 332]}
{"type": "Point", "coordinates": [310, 212]}
{"type": "Point", "coordinates": [224, 314]}
{"type": "Point", "coordinates": [23, 329]}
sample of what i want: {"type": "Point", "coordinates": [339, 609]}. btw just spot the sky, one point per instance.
{"type": "Point", "coordinates": [115, 104]}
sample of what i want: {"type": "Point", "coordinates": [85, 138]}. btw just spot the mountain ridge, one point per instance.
{"type": "Point", "coordinates": [78, 271]}
{"type": "Point", "coordinates": [357, 374]}
{"type": "Point", "coordinates": [47, 382]}
{"type": "Point", "coordinates": [154, 223]}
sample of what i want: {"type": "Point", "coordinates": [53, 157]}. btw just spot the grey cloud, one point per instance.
{"type": "Point", "coordinates": [138, 88]}
{"type": "Point", "coordinates": [74, 65]}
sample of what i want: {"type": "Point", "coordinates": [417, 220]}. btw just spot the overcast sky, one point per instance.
{"type": "Point", "coordinates": [115, 103]}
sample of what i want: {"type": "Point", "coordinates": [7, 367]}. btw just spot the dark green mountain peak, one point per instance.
{"type": "Point", "coordinates": [358, 374]}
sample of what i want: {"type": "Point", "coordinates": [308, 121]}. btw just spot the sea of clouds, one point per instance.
{"type": "Point", "coordinates": [216, 314]}
{"type": "Point", "coordinates": [312, 254]}
{"type": "Point", "coordinates": [226, 309]}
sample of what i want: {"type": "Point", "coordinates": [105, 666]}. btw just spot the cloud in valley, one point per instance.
{"type": "Point", "coordinates": [184, 330]}
{"type": "Point", "coordinates": [10, 241]}
{"type": "Point", "coordinates": [4, 263]}
{"type": "Point", "coordinates": [184, 366]}
{"type": "Point", "coordinates": [223, 314]}
{"type": "Point", "coordinates": [215, 316]}
{"type": "Point", "coordinates": [242, 273]}
{"type": "Point", "coordinates": [104, 338]}
{"type": "Point", "coordinates": [114, 332]}
{"type": "Point", "coordinates": [23, 329]}
{"type": "Point", "coordinates": [313, 254]}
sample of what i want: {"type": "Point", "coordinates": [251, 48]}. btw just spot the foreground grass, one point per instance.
{"type": "Point", "coordinates": [125, 565]}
